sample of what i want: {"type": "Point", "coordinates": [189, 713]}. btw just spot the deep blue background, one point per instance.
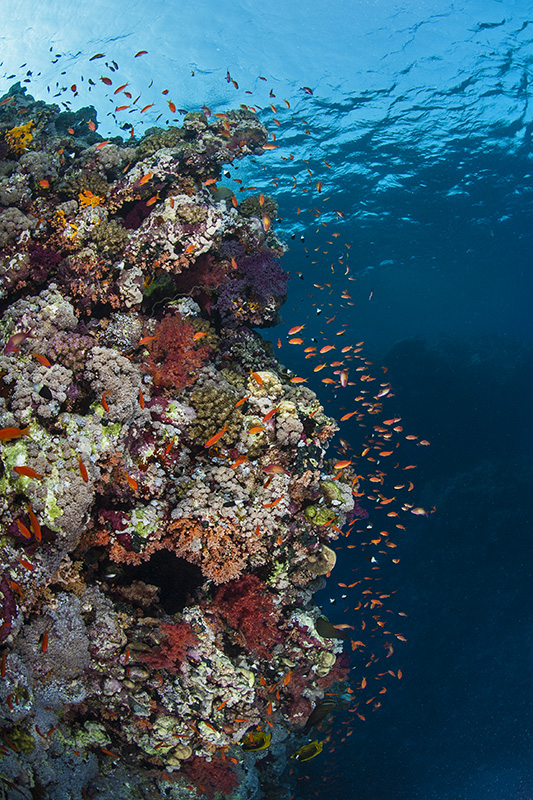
{"type": "Point", "coordinates": [423, 110]}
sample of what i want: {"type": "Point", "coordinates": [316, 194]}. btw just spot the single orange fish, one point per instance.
{"type": "Point", "coordinates": [6, 434]}
{"type": "Point", "coordinates": [297, 379]}
{"type": "Point", "coordinates": [242, 400]}
{"type": "Point", "coordinates": [44, 642]}
{"type": "Point", "coordinates": [44, 183]}
{"type": "Point", "coordinates": [287, 678]}
{"type": "Point", "coordinates": [189, 249]}
{"type": "Point", "coordinates": [153, 200]}
{"type": "Point", "coordinates": [275, 469]}
{"type": "Point", "coordinates": [270, 414]}
{"type": "Point", "coordinates": [120, 88]}
{"type": "Point", "coordinates": [347, 416]}
{"type": "Point", "coordinates": [28, 472]}
{"type": "Point", "coordinates": [91, 125]}
{"type": "Point", "coordinates": [106, 80]}
{"type": "Point", "coordinates": [42, 359]}
{"type": "Point", "coordinates": [146, 339]}
{"type": "Point", "coordinates": [266, 223]}
{"type": "Point", "coordinates": [145, 178]}
{"type": "Point", "coordinates": [239, 461]}
{"type": "Point", "coordinates": [342, 464]}
{"type": "Point", "coordinates": [23, 529]}
{"type": "Point", "coordinates": [104, 401]}
{"type": "Point", "coordinates": [16, 588]}
{"type": "Point", "coordinates": [83, 472]}
{"type": "Point", "coordinates": [199, 335]}
{"type": "Point", "coordinates": [296, 340]}
{"type": "Point", "coordinates": [257, 378]}
{"type": "Point", "coordinates": [256, 429]}
{"type": "Point", "coordinates": [121, 108]}
{"type": "Point", "coordinates": [172, 107]}
{"type": "Point", "coordinates": [141, 399]}
{"type": "Point", "coordinates": [26, 564]}
{"type": "Point", "coordinates": [296, 329]}
{"type": "Point", "coordinates": [327, 348]}
{"type": "Point", "coordinates": [147, 107]}
{"type": "Point", "coordinates": [34, 523]}
{"type": "Point", "coordinates": [214, 439]}
{"type": "Point", "coordinates": [132, 482]}
{"type": "Point", "coordinates": [141, 53]}
{"type": "Point", "coordinates": [103, 749]}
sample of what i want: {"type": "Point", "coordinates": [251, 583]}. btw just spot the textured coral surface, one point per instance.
{"type": "Point", "coordinates": [164, 496]}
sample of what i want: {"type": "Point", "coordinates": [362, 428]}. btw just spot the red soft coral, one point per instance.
{"type": "Point", "coordinates": [215, 777]}
{"type": "Point", "coordinates": [175, 357]}
{"type": "Point", "coordinates": [247, 606]}
{"type": "Point", "coordinates": [179, 637]}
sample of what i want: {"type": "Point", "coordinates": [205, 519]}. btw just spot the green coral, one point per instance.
{"type": "Point", "coordinates": [251, 207]}
{"type": "Point", "coordinates": [89, 181]}
{"type": "Point", "coordinates": [320, 515]}
{"type": "Point", "coordinates": [110, 237]}
{"type": "Point", "coordinates": [19, 738]}
{"type": "Point", "coordinates": [156, 138]}
{"type": "Point", "coordinates": [191, 214]}
{"type": "Point", "coordinates": [214, 408]}
{"type": "Point", "coordinates": [331, 490]}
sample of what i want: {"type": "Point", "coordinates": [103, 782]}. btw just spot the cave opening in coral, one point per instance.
{"type": "Point", "coordinates": [177, 580]}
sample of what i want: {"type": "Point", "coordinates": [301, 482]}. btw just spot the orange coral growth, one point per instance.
{"type": "Point", "coordinates": [219, 550]}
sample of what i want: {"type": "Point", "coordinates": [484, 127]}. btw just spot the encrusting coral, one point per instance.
{"type": "Point", "coordinates": [164, 498]}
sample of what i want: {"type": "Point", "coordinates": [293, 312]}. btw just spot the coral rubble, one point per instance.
{"type": "Point", "coordinates": [166, 509]}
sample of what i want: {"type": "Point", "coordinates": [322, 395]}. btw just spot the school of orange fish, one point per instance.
{"type": "Point", "coordinates": [374, 451]}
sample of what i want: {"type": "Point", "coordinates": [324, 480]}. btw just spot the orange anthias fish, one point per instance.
{"type": "Point", "coordinates": [28, 472]}
{"type": "Point", "coordinates": [214, 439]}
{"type": "Point", "coordinates": [132, 482]}
{"type": "Point", "coordinates": [342, 464]}
{"type": "Point", "coordinates": [83, 471]}
{"type": "Point", "coordinates": [6, 434]}
{"type": "Point", "coordinates": [275, 469]}
{"type": "Point", "coordinates": [270, 414]}
{"type": "Point", "coordinates": [34, 523]}
{"type": "Point", "coordinates": [42, 359]}
{"type": "Point", "coordinates": [23, 529]}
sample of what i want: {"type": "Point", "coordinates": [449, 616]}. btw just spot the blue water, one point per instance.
{"type": "Point", "coordinates": [423, 110]}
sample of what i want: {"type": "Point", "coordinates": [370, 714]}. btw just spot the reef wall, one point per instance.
{"type": "Point", "coordinates": [165, 501]}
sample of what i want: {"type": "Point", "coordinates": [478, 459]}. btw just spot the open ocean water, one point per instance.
{"type": "Point", "coordinates": [419, 128]}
